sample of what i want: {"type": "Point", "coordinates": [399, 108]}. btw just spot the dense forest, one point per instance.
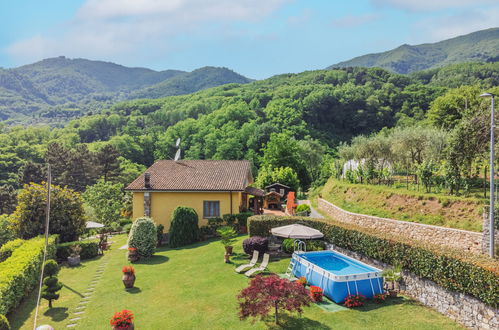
{"type": "Point", "coordinates": [289, 126]}
{"type": "Point", "coordinates": [56, 90]}
{"type": "Point", "coordinates": [479, 46]}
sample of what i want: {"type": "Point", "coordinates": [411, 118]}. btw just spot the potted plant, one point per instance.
{"type": "Point", "coordinates": [128, 276]}
{"type": "Point", "coordinates": [122, 320]}
{"type": "Point", "coordinates": [227, 238]}
{"type": "Point", "coordinates": [316, 293]}
{"type": "Point", "coordinates": [74, 256]}
{"type": "Point", "coordinates": [392, 278]}
{"type": "Point", "coordinates": [133, 255]}
{"type": "Point", "coordinates": [302, 280]}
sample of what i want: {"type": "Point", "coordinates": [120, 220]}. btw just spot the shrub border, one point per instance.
{"type": "Point", "coordinates": [475, 275]}
{"type": "Point", "coordinates": [20, 273]}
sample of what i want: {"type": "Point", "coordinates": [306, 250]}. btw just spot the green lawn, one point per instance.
{"type": "Point", "coordinates": [192, 288]}
{"type": "Point", "coordinates": [407, 205]}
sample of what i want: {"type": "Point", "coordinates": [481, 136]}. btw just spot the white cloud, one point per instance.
{"type": "Point", "coordinates": [429, 5]}
{"type": "Point", "coordinates": [122, 29]}
{"type": "Point", "coordinates": [449, 26]}
{"type": "Point", "coordinates": [353, 21]}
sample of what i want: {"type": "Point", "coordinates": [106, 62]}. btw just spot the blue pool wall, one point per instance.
{"type": "Point", "coordinates": [339, 290]}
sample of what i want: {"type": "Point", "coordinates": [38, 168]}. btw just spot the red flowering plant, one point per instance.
{"type": "Point", "coordinates": [379, 298]}
{"type": "Point", "coordinates": [128, 269]}
{"type": "Point", "coordinates": [122, 320]}
{"type": "Point", "coordinates": [354, 300]}
{"type": "Point", "coordinates": [316, 293]}
{"type": "Point", "coordinates": [271, 293]}
{"type": "Point", "coordinates": [302, 280]}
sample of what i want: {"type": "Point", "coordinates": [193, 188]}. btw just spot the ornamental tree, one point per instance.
{"type": "Point", "coordinates": [51, 284]}
{"type": "Point", "coordinates": [67, 216]}
{"type": "Point", "coordinates": [271, 292]}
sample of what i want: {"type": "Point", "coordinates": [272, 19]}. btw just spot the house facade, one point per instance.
{"type": "Point", "coordinates": [211, 187]}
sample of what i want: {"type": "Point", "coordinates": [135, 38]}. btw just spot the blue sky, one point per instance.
{"type": "Point", "coordinates": [257, 38]}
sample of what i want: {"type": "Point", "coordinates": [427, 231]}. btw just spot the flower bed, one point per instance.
{"type": "Point", "coordinates": [354, 300]}
{"type": "Point", "coordinates": [20, 272]}
{"type": "Point", "coordinates": [466, 273]}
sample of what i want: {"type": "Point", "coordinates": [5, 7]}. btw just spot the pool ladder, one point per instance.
{"type": "Point", "coordinates": [289, 271]}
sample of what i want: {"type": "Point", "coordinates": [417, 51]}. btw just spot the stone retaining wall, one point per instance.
{"type": "Point", "coordinates": [462, 308]}
{"type": "Point", "coordinates": [459, 239]}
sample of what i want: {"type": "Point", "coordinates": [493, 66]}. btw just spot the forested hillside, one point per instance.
{"type": "Point", "coordinates": [480, 46]}
{"type": "Point", "coordinates": [57, 89]}
{"type": "Point", "coordinates": [289, 125]}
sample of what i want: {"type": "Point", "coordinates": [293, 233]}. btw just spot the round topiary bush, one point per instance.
{"type": "Point", "coordinates": [4, 323]}
{"type": "Point", "coordinates": [261, 244]}
{"type": "Point", "coordinates": [143, 236]}
{"type": "Point", "coordinates": [184, 227]}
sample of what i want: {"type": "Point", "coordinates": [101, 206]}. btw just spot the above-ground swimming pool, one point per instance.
{"type": "Point", "coordinates": [337, 274]}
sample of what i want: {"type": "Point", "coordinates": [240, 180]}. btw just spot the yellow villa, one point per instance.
{"type": "Point", "coordinates": [211, 187]}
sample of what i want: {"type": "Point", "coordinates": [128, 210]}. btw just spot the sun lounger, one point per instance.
{"type": "Point", "coordinates": [251, 263]}
{"type": "Point", "coordinates": [262, 267]}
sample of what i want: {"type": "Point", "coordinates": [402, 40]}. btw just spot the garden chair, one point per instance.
{"type": "Point", "coordinates": [262, 267]}
{"type": "Point", "coordinates": [252, 262]}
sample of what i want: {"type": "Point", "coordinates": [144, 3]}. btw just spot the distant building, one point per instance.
{"type": "Point", "coordinates": [280, 188]}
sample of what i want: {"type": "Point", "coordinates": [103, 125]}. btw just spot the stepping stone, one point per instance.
{"type": "Point", "coordinates": [83, 302]}
{"type": "Point", "coordinates": [81, 307]}
{"type": "Point", "coordinates": [71, 325]}
{"type": "Point", "coordinates": [75, 319]}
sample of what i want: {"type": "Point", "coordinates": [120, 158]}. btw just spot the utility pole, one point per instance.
{"type": "Point", "coordinates": [491, 206]}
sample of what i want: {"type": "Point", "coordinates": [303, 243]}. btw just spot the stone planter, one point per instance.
{"type": "Point", "coordinates": [73, 261]}
{"type": "Point", "coordinates": [128, 280]}
{"type": "Point", "coordinates": [227, 257]}
{"type": "Point", "coordinates": [228, 249]}
{"type": "Point", "coordinates": [130, 327]}
{"type": "Point", "coordinates": [133, 256]}
{"type": "Point", "coordinates": [392, 293]}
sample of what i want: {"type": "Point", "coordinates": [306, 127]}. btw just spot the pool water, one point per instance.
{"type": "Point", "coordinates": [337, 264]}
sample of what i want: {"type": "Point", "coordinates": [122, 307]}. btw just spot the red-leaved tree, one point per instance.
{"type": "Point", "coordinates": [266, 293]}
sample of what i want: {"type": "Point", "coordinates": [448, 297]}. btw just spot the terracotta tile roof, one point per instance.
{"type": "Point", "coordinates": [196, 175]}
{"type": "Point", "coordinates": [255, 191]}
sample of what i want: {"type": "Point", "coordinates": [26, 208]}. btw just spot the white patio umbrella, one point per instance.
{"type": "Point", "coordinates": [91, 224]}
{"type": "Point", "coordinates": [296, 231]}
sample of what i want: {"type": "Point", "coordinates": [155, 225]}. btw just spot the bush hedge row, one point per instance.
{"type": "Point", "coordinates": [19, 274]}
{"type": "Point", "coordinates": [89, 249]}
{"type": "Point", "coordinates": [9, 247]}
{"type": "Point", "coordinates": [475, 275]}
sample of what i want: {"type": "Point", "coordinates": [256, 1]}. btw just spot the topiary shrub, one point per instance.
{"type": "Point", "coordinates": [159, 229]}
{"type": "Point", "coordinates": [143, 236]}
{"type": "Point", "coordinates": [4, 323]}
{"type": "Point", "coordinates": [261, 244]}
{"type": "Point", "coordinates": [184, 227]}
{"type": "Point", "coordinates": [51, 284]}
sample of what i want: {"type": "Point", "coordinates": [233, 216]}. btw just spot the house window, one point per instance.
{"type": "Point", "coordinates": [282, 192]}
{"type": "Point", "coordinates": [211, 209]}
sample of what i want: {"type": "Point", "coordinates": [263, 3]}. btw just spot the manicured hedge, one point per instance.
{"type": "Point", "coordinates": [89, 249]}
{"type": "Point", "coordinates": [454, 270]}
{"type": "Point", "coordinates": [7, 249]}
{"type": "Point", "coordinates": [19, 274]}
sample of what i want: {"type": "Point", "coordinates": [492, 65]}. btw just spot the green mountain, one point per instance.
{"type": "Point", "coordinates": [480, 46]}
{"type": "Point", "coordinates": [65, 88]}
{"type": "Point", "coordinates": [191, 82]}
